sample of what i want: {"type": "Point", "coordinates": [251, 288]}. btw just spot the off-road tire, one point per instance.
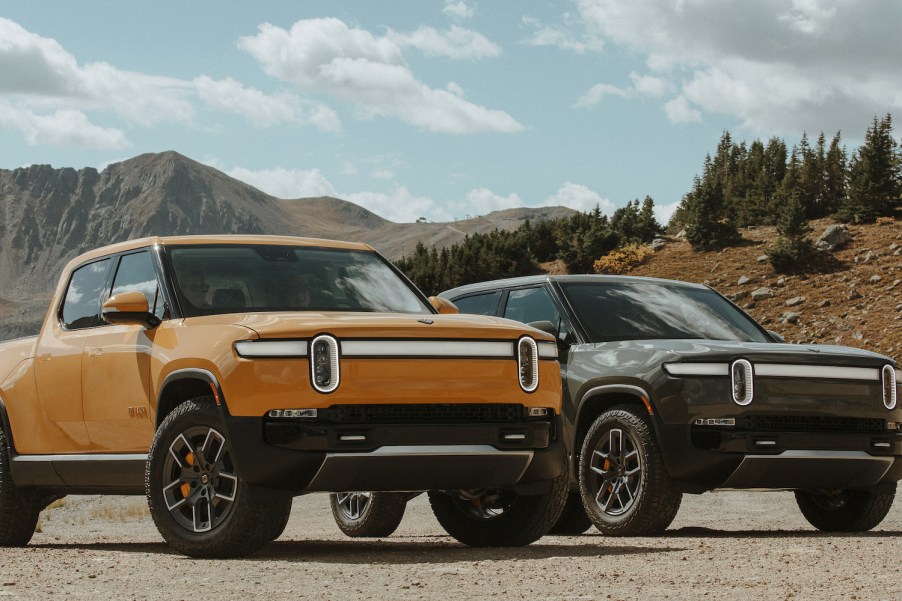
{"type": "Point", "coordinates": [19, 510]}
{"type": "Point", "coordinates": [236, 526]}
{"type": "Point", "coordinates": [574, 520]}
{"type": "Point", "coordinates": [377, 515]}
{"type": "Point", "coordinates": [521, 519]}
{"type": "Point", "coordinates": [846, 511]}
{"type": "Point", "coordinates": [625, 487]}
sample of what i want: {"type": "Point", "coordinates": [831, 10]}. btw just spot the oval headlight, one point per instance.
{"type": "Point", "coordinates": [742, 380]}
{"type": "Point", "coordinates": [889, 387]}
{"type": "Point", "coordinates": [528, 363]}
{"type": "Point", "coordinates": [324, 368]}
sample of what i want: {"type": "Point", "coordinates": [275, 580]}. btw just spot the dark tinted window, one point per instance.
{"type": "Point", "coordinates": [531, 304]}
{"type": "Point", "coordinates": [236, 278]}
{"type": "Point", "coordinates": [648, 311]}
{"type": "Point", "coordinates": [136, 274]}
{"type": "Point", "coordinates": [81, 307]}
{"type": "Point", "coordinates": [479, 304]}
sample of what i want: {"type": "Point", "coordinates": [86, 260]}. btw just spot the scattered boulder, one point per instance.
{"type": "Point", "coordinates": [781, 282]}
{"type": "Point", "coordinates": [791, 317]}
{"type": "Point", "coordinates": [796, 300]}
{"type": "Point", "coordinates": [875, 279]}
{"type": "Point", "coordinates": [762, 258]}
{"type": "Point", "coordinates": [657, 244]}
{"type": "Point", "coordinates": [853, 294]}
{"type": "Point", "coordinates": [762, 294]}
{"type": "Point", "coordinates": [739, 295]}
{"type": "Point", "coordinates": [835, 236]}
{"type": "Point", "coordinates": [681, 233]}
{"type": "Point", "coordinates": [824, 303]}
{"type": "Point", "coordinates": [744, 280]}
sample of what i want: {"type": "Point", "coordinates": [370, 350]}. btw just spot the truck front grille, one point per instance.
{"type": "Point", "coordinates": [810, 423]}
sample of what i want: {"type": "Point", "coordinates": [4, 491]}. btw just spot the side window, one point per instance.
{"type": "Point", "coordinates": [136, 274]}
{"type": "Point", "coordinates": [531, 304]}
{"type": "Point", "coordinates": [479, 304]}
{"type": "Point", "coordinates": [81, 307]}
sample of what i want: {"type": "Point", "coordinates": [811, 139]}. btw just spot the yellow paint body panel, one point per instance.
{"type": "Point", "coordinates": [96, 390]}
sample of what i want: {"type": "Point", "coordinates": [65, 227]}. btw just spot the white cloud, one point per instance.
{"type": "Point", "coordinates": [383, 174]}
{"type": "Point", "coordinates": [777, 66]}
{"type": "Point", "coordinates": [663, 213]}
{"type": "Point", "coordinates": [399, 205]}
{"type": "Point", "coordinates": [327, 56]}
{"type": "Point", "coordinates": [263, 109]}
{"type": "Point", "coordinates": [285, 183]}
{"type": "Point", "coordinates": [42, 76]}
{"type": "Point", "coordinates": [679, 111]}
{"type": "Point", "coordinates": [648, 85]}
{"type": "Point", "coordinates": [570, 35]}
{"type": "Point", "coordinates": [597, 92]}
{"type": "Point", "coordinates": [458, 9]}
{"type": "Point", "coordinates": [482, 200]}
{"type": "Point", "coordinates": [457, 42]}
{"type": "Point", "coordinates": [581, 198]}
{"type": "Point", "coordinates": [64, 127]}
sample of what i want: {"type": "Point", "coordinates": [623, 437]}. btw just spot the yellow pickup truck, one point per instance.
{"type": "Point", "coordinates": [223, 375]}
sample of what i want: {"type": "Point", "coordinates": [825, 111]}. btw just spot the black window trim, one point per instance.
{"type": "Point", "coordinates": [115, 260]}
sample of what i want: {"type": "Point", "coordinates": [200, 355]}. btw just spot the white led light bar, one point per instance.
{"type": "Point", "coordinates": [271, 348]}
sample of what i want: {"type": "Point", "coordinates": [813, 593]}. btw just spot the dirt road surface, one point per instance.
{"type": "Point", "coordinates": [724, 545]}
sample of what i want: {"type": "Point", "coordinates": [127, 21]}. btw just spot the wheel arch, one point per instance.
{"type": "Point", "coordinates": [599, 398]}
{"type": "Point", "coordinates": [185, 384]}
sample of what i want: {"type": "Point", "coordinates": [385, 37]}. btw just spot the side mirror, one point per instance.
{"type": "Point", "coordinates": [549, 328]}
{"type": "Point", "coordinates": [545, 326]}
{"type": "Point", "coordinates": [443, 306]}
{"type": "Point", "coordinates": [129, 308]}
{"type": "Point", "coordinates": [776, 337]}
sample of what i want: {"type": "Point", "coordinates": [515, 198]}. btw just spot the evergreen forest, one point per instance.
{"type": "Point", "coordinates": [740, 185]}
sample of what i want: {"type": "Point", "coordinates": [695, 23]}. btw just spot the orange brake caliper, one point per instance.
{"type": "Point", "coordinates": [186, 487]}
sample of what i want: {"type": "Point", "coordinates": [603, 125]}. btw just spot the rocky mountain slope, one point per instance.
{"type": "Point", "coordinates": [859, 304]}
{"type": "Point", "coordinates": [48, 216]}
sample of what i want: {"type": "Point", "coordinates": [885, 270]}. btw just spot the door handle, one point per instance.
{"type": "Point", "coordinates": [94, 351]}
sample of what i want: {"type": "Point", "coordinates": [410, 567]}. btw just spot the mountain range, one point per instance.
{"type": "Point", "coordinates": [48, 216]}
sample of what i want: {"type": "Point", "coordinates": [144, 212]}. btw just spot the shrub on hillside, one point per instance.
{"type": "Point", "coordinates": [624, 259]}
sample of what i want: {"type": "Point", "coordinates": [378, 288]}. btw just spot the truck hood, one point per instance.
{"type": "Point", "coordinates": [723, 350]}
{"type": "Point", "coordinates": [375, 325]}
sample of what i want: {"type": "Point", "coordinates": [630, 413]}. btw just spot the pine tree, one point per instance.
{"type": "Point", "coordinates": [874, 176]}
{"type": "Point", "coordinates": [835, 176]}
{"type": "Point", "coordinates": [709, 225]}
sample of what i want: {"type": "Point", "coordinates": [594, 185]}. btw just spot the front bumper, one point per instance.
{"type": "Point", "coordinates": [299, 457]}
{"type": "Point", "coordinates": [707, 457]}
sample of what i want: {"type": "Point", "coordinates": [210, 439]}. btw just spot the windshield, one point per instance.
{"type": "Point", "coordinates": [237, 278]}
{"type": "Point", "coordinates": [649, 311]}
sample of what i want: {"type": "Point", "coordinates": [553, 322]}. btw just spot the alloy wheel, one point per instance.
{"type": "Point", "coordinates": [199, 481]}
{"type": "Point", "coordinates": [617, 467]}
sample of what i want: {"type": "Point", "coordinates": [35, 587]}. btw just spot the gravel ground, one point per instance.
{"type": "Point", "coordinates": [723, 545]}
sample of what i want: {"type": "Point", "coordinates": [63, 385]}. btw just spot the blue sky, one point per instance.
{"type": "Point", "coordinates": [441, 108]}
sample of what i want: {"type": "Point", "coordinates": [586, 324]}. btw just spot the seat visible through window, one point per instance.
{"type": "Point", "coordinates": [228, 297]}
